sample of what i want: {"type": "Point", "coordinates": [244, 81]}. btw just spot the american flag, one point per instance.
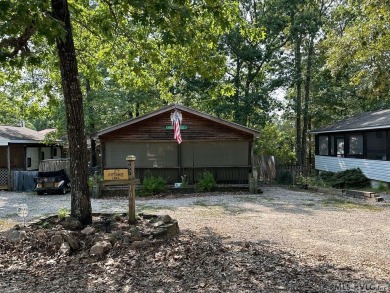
{"type": "Point", "coordinates": [176, 120]}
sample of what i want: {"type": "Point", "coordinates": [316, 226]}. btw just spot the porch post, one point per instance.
{"type": "Point", "coordinates": [179, 162]}
{"type": "Point", "coordinates": [9, 167]}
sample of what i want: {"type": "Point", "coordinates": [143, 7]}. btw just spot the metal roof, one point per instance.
{"type": "Point", "coordinates": [364, 121]}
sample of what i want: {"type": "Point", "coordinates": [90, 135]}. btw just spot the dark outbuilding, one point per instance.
{"type": "Point", "coordinates": [208, 143]}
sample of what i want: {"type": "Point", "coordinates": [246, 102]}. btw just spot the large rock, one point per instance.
{"type": "Point", "coordinates": [88, 230]}
{"type": "Point", "coordinates": [166, 219]}
{"type": "Point", "coordinates": [56, 239]}
{"type": "Point", "coordinates": [100, 248]}
{"type": "Point", "coordinates": [71, 223]}
{"type": "Point", "coordinates": [167, 230]}
{"type": "Point", "coordinates": [71, 240]}
{"type": "Point", "coordinates": [16, 235]}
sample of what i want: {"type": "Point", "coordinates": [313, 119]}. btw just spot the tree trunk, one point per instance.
{"type": "Point", "coordinates": [307, 97]}
{"type": "Point", "coordinates": [298, 98]}
{"type": "Point", "coordinates": [80, 202]}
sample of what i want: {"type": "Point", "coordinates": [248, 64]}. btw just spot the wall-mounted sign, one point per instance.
{"type": "Point", "coordinates": [170, 127]}
{"type": "Point", "coordinates": [116, 174]}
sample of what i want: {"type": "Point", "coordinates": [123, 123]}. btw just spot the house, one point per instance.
{"type": "Point", "coordinates": [208, 143]}
{"type": "Point", "coordinates": [21, 149]}
{"type": "Point", "coordinates": [362, 141]}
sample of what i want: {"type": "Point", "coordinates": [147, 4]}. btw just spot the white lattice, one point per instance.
{"type": "Point", "coordinates": [3, 176]}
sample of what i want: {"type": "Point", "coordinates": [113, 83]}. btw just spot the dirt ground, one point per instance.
{"type": "Point", "coordinates": [278, 241]}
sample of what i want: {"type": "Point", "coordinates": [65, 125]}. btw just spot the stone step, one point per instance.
{"type": "Point", "coordinates": [359, 193]}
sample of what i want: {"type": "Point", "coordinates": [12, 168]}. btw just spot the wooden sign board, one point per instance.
{"type": "Point", "coordinates": [116, 174]}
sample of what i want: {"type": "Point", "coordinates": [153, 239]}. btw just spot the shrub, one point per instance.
{"type": "Point", "coordinates": [206, 182]}
{"type": "Point", "coordinates": [62, 213]}
{"type": "Point", "coordinates": [285, 177]}
{"type": "Point", "coordinates": [153, 185]}
{"type": "Point", "coordinates": [355, 178]}
{"type": "Point", "coordinates": [352, 178]}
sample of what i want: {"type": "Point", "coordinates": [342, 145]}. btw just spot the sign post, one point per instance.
{"type": "Point", "coordinates": [23, 212]}
{"type": "Point", "coordinates": [131, 174]}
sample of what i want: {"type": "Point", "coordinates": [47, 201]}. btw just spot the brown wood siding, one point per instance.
{"type": "Point", "coordinates": [199, 129]}
{"type": "Point", "coordinates": [3, 157]}
{"type": "Point", "coordinates": [17, 156]}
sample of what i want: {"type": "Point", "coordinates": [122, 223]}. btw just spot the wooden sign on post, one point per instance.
{"type": "Point", "coordinates": [131, 175]}
{"type": "Point", "coordinates": [116, 174]}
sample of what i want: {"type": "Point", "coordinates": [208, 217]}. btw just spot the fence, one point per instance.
{"type": "Point", "coordinates": [268, 170]}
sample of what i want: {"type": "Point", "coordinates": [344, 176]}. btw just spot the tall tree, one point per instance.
{"type": "Point", "coordinates": [73, 97]}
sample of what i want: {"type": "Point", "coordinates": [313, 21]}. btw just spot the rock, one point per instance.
{"type": "Point", "coordinates": [71, 223]}
{"type": "Point", "coordinates": [40, 234]}
{"type": "Point", "coordinates": [100, 247]}
{"type": "Point", "coordinates": [88, 230]}
{"type": "Point", "coordinates": [71, 241]}
{"type": "Point", "coordinates": [158, 223]}
{"type": "Point", "coordinates": [97, 249]}
{"type": "Point", "coordinates": [51, 262]}
{"type": "Point", "coordinates": [166, 219]}
{"type": "Point", "coordinates": [56, 239]}
{"type": "Point", "coordinates": [167, 230]}
{"type": "Point", "coordinates": [136, 238]}
{"type": "Point", "coordinates": [65, 248]}
{"type": "Point", "coordinates": [137, 245]}
{"type": "Point", "coordinates": [16, 235]}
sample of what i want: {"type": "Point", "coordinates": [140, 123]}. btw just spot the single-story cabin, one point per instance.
{"type": "Point", "coordinates": [362, 141]}
{"type": "Point", "coordinates": [208, 143]}
{"type": "Point", "coordinates": [21, 149]}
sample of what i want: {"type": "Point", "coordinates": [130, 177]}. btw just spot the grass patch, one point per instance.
{"type": "Point", "coordinates": [251, 199]}
{"type": "Point", "coordinates": [152, 208]}
{"type": "Point", "coordinates": [346, 204]}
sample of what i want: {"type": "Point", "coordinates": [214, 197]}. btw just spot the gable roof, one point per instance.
{"type": "Point", "coordinates": [365, 121]}
{"type": "Point", "coordinates": [169, 108]}
{"type": "Point", "coordinates": [20, 133]}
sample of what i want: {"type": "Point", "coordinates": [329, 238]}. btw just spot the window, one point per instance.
{"type": "Point", "coordinates": [340, 146]}
{"type": "Point", "coordinates": [42, 155]}
{"type": "Point", "coordinates": [28, 162]}
{"type": "Point", "coordinates": [54, 152]}
{"type": "Point", "coordinates": [376, 145]}
{"type": "Point", "coordinates": [355, 146]}
{"type": "Point", "coordinates": [323, 145]}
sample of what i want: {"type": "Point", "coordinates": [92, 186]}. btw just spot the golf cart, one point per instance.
{"type": "Point", "coordinates": [52, 182]}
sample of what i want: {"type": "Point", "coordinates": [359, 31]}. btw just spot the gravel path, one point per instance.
{"type": "Point", "coordinates": [353, 233]}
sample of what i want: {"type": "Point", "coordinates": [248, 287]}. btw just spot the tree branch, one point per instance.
{"type": "Point", "coordinates": [18, 44]}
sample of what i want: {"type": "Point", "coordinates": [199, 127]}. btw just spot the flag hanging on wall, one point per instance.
{"type": "Point", "coordinates": [176, 119]}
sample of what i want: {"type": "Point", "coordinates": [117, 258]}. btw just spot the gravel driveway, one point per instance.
{"type": "Point", "coordinates": [350, 233]}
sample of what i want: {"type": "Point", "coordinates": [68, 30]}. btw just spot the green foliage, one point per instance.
{"type": "Point", "coordinates": [382, 187]}
{"type": "Point", "coordinates": [153, 185]}
{"type": "Point", "coordinates": [285, 177]}
{"type": "Point", "coordinates": [62, 213]}
{"type": "Point", "coordinates": [277, 140]}
{"type": "Point", "coordinates": [206, 182]}
{"type": "Point", "coordinates": [351, 178]}
{"type": "Point", "coordinates": [357, 40]}
{"type": "Point", "coordinates": [184, 181]}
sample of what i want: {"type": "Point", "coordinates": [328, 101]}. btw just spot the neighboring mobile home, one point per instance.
{"type": "Point", "coordinates": [362, 141]}
{"type": "Point", "coordinates": [21, 149]}
{"type": "Point", "coordinates": [208, 143]}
